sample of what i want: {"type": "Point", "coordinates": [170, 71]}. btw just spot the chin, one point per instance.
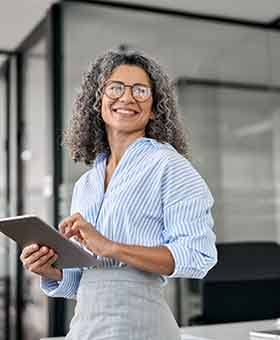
{"type": "Point", "coordinates": [126, 128]}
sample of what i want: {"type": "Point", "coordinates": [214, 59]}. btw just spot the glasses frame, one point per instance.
{"type": "Point", "coordinates": [131, 90]}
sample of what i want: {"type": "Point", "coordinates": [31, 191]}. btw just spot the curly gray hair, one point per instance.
{"type": "Point", "coordinates": [86, 136]}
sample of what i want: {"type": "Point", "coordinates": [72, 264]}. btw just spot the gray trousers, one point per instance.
{"type": "Point", "coordinates": [121, 304]}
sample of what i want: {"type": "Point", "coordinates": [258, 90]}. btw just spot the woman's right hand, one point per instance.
{"type": "Point", "coordinates": [39, 260]}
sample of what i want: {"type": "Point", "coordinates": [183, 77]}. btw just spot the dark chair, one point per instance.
{"type": "Point", "coordinates": [243, 286]}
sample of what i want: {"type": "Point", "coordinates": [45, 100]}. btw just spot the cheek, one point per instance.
{"type": "Point", "coordinates": [105, 107]}
{"type": "Point", "coordinates": [147, 108]}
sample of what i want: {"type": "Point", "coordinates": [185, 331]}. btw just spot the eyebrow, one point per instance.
{"type": "Point", "coordinates": [119, 81]}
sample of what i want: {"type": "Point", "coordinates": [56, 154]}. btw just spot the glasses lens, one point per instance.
{"type": "Point", "coordinates": [141, 92]}
{"type": "Point", "coordinates": [114, 90]}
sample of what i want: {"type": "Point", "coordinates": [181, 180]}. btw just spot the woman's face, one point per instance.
{"type": "Point", "coordinates": [126, 114]}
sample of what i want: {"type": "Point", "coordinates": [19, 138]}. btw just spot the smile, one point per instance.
{"type": "Point", "coordinates": [125, 112]}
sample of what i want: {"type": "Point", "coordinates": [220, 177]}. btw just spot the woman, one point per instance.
{"type": "Point", "coordinates": [142, 208]}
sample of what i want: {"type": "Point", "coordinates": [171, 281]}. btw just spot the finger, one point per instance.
{"type": "Point", "coordinates": [76, 238]}
{"type": "Point", "coordinates": [85, 243]}
{"type": "Point", "coordinates": [42, 261]}
{"type": "Point", "coordinates": [34, 257]}
{"type": "Point", "coordinates": [66, 230]}
{"type": "Point", "coordinates": [27, 251]}
{"type": "Point", "coordinates": [70, 233]}
{"type": "Point", "coordinates": [77, 225]}
{"type": "Point", "coordinates": [68, 222]}
{"type": "Point", "coordinates": [74, 230]}
{"type": "Point", "coordinates": [64, 226]}
{"type": "Point", "coordinates": [52, 260]}
{"type": "Point", "coordinates": [74, 217]}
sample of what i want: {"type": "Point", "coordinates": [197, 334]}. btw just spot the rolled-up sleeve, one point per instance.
{"type": "Point", "coordinates": [66, 288]}
{"type": "Point", "coordinates": [191, 238]}
{"type": "Point", "coordinates": [188, 222]}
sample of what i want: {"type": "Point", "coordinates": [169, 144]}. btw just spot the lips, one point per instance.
{"type": "Point", "coordinates": [125, 111]}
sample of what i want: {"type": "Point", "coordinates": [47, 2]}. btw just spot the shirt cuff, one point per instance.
{"type": "Point", "coordinates": [66, 288]}
{"type": "Point", "coordinates": [181, 269]}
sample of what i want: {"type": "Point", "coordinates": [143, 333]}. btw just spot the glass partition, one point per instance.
{"type": "Point", "coordinates": [13, 199]}
{"type": "Point", "coordinates": [4, 243]}
{"type": "Point", "coordinates": [232, 145]}
{"type": "Point", "coordinates": [274, 45]}
{"type": "Point", "coordinates": [37, 176]}
{"type": "Point", "coordinates": [3, 144]}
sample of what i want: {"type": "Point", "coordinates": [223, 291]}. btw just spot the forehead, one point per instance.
{"type": "Point", "coordinates": [130, 74]}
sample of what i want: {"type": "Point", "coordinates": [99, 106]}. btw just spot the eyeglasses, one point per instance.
{"type": "Point", "coordinates": [116, 89]}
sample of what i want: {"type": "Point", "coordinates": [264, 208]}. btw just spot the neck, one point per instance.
{"type": "Point", "coordinates": [118, 144]}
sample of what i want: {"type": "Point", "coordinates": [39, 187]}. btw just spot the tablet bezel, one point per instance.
{"type": "Point", "coordinates": [29, 229]}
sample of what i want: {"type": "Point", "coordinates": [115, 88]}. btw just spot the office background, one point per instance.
{"type": "Point", "coordinates": [225, 63]}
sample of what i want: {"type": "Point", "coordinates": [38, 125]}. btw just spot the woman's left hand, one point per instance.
{"type": "Point", "coordinates": [84, 232]}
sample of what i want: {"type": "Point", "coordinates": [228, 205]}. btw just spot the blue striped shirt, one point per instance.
{"type": "Point", "coordinates": [155, 198]}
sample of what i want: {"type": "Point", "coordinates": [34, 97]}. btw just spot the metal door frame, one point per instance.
{"type": "Point", "coordinates": [5, 73]}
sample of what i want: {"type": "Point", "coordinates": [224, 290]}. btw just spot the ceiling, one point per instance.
{"type": "Point", "coordinates": [18, 17]}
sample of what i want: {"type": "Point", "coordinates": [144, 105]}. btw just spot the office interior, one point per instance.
{"type": "Point", "coordinates": [227, 78]}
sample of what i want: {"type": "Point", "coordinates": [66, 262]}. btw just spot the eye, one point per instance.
{"type": "Point", "coordinates": [114, 89]}
{"type": "Point", "coordinates": [141, 91]}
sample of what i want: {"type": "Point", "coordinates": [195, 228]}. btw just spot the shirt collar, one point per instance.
{"type": "Point", "coordinates": [141, 140]}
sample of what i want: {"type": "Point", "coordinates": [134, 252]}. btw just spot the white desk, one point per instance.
{"type": "Point", "coordinates": [227, 331]}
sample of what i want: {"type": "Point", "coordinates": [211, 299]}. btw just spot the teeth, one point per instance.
{"type": "Point", "coordinates": [125, 111]}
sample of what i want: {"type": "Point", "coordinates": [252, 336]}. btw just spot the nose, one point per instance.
{"type": "Point", "coordinates": [127, 96]}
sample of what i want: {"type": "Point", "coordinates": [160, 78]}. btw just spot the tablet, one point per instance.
{"type": "Point", "coordinates": [28, 229]}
